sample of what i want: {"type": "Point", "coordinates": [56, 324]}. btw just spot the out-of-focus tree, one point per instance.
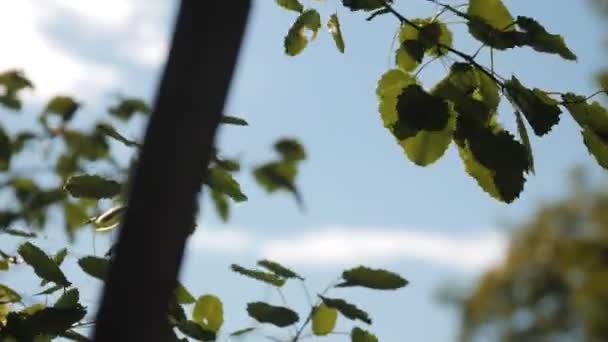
{"type": "Point", "coordinates": [553, 283]}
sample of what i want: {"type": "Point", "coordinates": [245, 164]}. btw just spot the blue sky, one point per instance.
{"type": "Point", "coordinates": [365, 202]}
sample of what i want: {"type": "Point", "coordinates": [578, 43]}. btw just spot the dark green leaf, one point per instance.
{"type": "Point", "coordinates": [92, 146]}
{"type": "Point", "coordinates": [8, 295]}
{"type": "Point", "coordinates": [43, 266]}
{"type": "Point", "coordinates": [182, 295]}
{"type": "Point", "coordinates": [372, 278]}
{"type": "Point", "coordinates": [94, 266]}
{"type": "Point", "coordinates": [593, 115]}
{"type": "Point", "coordinates": [17, 232]}
{"type": "Point", "coordinates": [290, 149]}
{"type": "Point", "coordinates": [296, 39]}
{"type": "Point", "coordinates": [525, 139]}
{"type": "Point", "coordinates": [193, 330]}
{"type": "Point", "coordinates": [128, 106]}
{"type": "Point", "coordinates": [75, 216]}
{"type": "Point", "coordinates": [541, 111]}
{"type": "Point", "coordinates": [347, 309]}
{"type": "Point", "coordinates": [241, 332]}
{"type": "Point", "coordinates": [233, 120]}
{"type": "Point", "coordinates": [333, 25]}
{"type": "Point", "coordinates": [53, 321]}
{"type": "Point", "coordinates": [6, 150]}
{"type": "Point", "coordinates": [92, 186]}
{"type": "Point", "coordinates": [221, 180]}
{"type": "Point", "coordinates": [540, 40]}
{"type": "Point", "coordinates": [275, 315]}
{"type": "Point", "coordinates": [597, 146]}
{"type": "Point", "coordinates": [268, 278]}
{"type": "Point", "coordinates": [366, 5]}
{"type": "Point", "coordinates": [293, 5]}
{"type": "Point", "coordinates": [279, 269]}
{"type": "Point", "coordinates": [64, 106]}
{"type": "Point", "coordinates": [58, 258]}
{"type": "Point", "coordinates": [419, 111]}
{"type": "Point", "coordinates": [49, 290]}
{"type": "Point", "coordinates": [112, 133]}
{"type": "Point", "coordinates": [13, 81]}
{"type": "Point", "coordinates": [68, 300]}
{"type": "Point", "coordinates": [359, 335]}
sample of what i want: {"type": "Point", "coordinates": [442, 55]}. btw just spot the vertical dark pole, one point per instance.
{"type": "Point", "coordinates": [167, 179]}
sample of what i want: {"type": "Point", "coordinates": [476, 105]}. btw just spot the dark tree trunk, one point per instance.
{"type": "Point", "coordinates": [167, 178]}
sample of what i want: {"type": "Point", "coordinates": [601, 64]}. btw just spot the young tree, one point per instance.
{"type": "Point", "coordinates": [462, 108]}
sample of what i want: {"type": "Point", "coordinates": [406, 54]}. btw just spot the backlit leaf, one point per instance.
{"type": "Point", "coordinates": [269, 278]}
{"type": "Point", "coordinates": [280, 175]}
{"type": "Point", "coordinates": [43, 266]}
{"type": "Point", "coordinates": [592, 115]}
{"type": "Point", "coordinates": [597, 146]}
{"type": "Point", "coordinates": [524, 138]}
{"type": "Point", "coordinates": [12, 82]}
{"type": "Point", "coordinates": [95, 267]}
{"type": "Point", "coordinates": [296, 39]}
{"type": "Point", "coordinates": [221, 180]}
{"type": "Point", "coordinates": [92, 186]}
{"type": "Point", "coordinates": [63, 106]}
{"type": "Point", "coordinates": [290, 149]}
{"type": "Point", "coordinates": [359, 335]}
{"type": "Point", "coordinates": [378, 279]}
{"type": "Point", "coordinates": [275, 315]}
{"type": "Point", "coordinates": [390, 85]}
{"type": "Point", "coordinates": [279, 269]}
{"type": "Point", "coordinates": [492, 12]}
{"type": "Point", "coordinates": [220, 201]}
{"type": "Point", "coordinates": [182, 295]}
{"type": "Point", "coordinates": [541, 111]}
{"type": "Point", "coordinates": [8, 295]}
{"type": "Point", "coordinates": [540, 40]}
{"type": "Point", "coordinates": [347, 309]}
{"type": "Point", "coordinates": [324, 320]}
{"type": "Point", "coordinates": [333, 25]}
{"type": "Point", "coordinates": [293, 5]}
{"type": "Point", "coordinates": [209, 312]}
{"type": "Point", "coordinates": [194, 330]}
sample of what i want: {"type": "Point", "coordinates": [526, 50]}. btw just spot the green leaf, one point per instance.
{"type": "Point", "coordinates": [222, 207]}
{"type": "Point", "coordinates": [194, 330]}
{"type": "Point", "coordinates": [390, 85]}
{"type": "Point", "coordinates": [233, 120]}
{"type": "Point", "coordinates": [293, 5]}
{"type": "Point", "coordinates": [209, 312]}
{"type": "Point", "coordinates": [593, 115]}
{"type": "Point", "coordinates": [182, 295]}
{"type": "Point", "coordinates": [333, 25]}
{"type": "Point", "coordinates": [482, 151]}
{"type": "Point", "coordinates": [417, 111]}
{"type": "Point", "coordinates": [13, 81]}
{"type": "Point", "coordinates": [241, 332]}
{"type": "Point", "coordinates": [324, 320]}
{"type": "Point", "coordinates": [347, 309]}
{"type": "Point", "coordinates": [75, 216]}
{"type": "Point", "coordinates": [43, 266]}
{"type": "Point", "coordinates": [279, 269]}
{"type": "Point", "coordinates": [51, 321]}
{"type": "Point", "coordinates": [8, 295]}
{"type": "Point", "coordinates": [111, 132]}
{"type": "Point", "coordinates": [128, 106]}
{"type": "Point", "coordinates": [541, 111]}
{"type": "Point", "coordinates": [63, 106]}
{"type": "Point", "coordinates": [92, 146]}
{"type": "Point", "coordinates": [95, 267]}
{"type": "Point", "coordinates": [67, 164]}
{"type": "Point", "coordinates": [275, 315]}
{"type": "Point", "coordinates": [6, 150]}
{"type": "Point", "coordinates": [525, 139]}
{"type": "Point", "coordinates": [58, 258]}
{"type": "Point", "coordinates": [92, 186]}
{"type": "Point", "coordinates": [492, 12]}
{"type": "Point", "coordinates": [21, 139]}
{"type": "Point", "coordinates": [366, 5]}
{"type": "Point", "coordinates": [221, 180]}
{"type": "Point", "coordinates": [49, 290]}
{"type": "Point", "coordinates": [540, 40]}
{"type": "Point", "coordinates": [265, 277]}
{"type": "Point", "coordinates": [278, 176]}
{"type": "Point", "coordinates": [359, 335]}
{"type": "Point", "coordinates": [597, 146]}
{"type": "Point", "coordinates": [17, 232]}
{"type": "Point", "coordinates": [4, 265]}
{"type": "Point", "coordinates": [378, 279]}
{"type": "Point", "coordinates": [290, 149]}
{"type": "Point", "coordinates": [296, 39]}
{"type": "Point", "coordinates": [68, 300]}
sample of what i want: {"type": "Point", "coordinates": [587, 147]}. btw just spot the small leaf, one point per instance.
{"type": "Point", "coordinates": [68, 300]}
{"type": "Point", "coordinates": [49, 290]}
{"type": "Point", "coordinates": [209, 312]}
{"type": "Point", "coordinates": [279, 269]}
{"type": "Point", "coordinates": [194, 330]}
{"type": "Point", "coordinates": [112, 133]}
{"type": "Point", "coordinates": [275, 315]}
{"type": "Point", "coordinates": [95, 267]}
{"type": "Point", "coordinates": [6, 151]}
{"type": "Point", "coordinates": [333, 25]}
{"type": "Point", "coordinates": [593, 115]}
{"type": "Point", "coordinates": [64, 106]}
{"type": "Point", "coordinates": [359, 335]}
{"type": "Point", "coordinates": [290, 149]}
{"type": "Point", "coordinates": [265, 277]}
{"type": "Point", "coordinates": [241, 332]}
{"type": "Point", "coordinates": [17, 232]}
{"type": "Point", "coordinates": [296, 39]}
{"type": "Point", "coordinates": [43, 266]}
{"type": "Point", "coordinates": [221, 180]}
{"type": "Point", "coordinates": [525, 139]}
{"type": "Point", "coordinates": [597, 146]}
{"type": "Point", "coordinates": [293, 5]}
{"type": "Point", "coordinates": [324, 320]}
{"type": "Point", "coordinates": [92, 186]}
{"type": "Point", "coordinates": [13, 81]}
{"type": "Point", "coordinates": [128, 106]}
{"type": "Point", "coordinates": [222, 207]}
{"type": "Point", "coordinates": [540, 40]}
{"type": "Point", "coordinates": [541, 111]}
{"type": "Point", "coordinates": [347, 309]}
{"type": "Point", "coordinates": [372, 278]}
{"type": "Point", "coordinates": [233, 120]}
{"type": "Point", "coordinates": [366, 5]}
{"type": "Point", "coordinates": [8, 295]}
{"type": "Point", "coordinates": [278, 176]}
{"type": "Point", "coordinates": [182, 295]}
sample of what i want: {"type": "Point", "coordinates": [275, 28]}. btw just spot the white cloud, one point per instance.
{"type": "Point", "coordinates": [345, 246]}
